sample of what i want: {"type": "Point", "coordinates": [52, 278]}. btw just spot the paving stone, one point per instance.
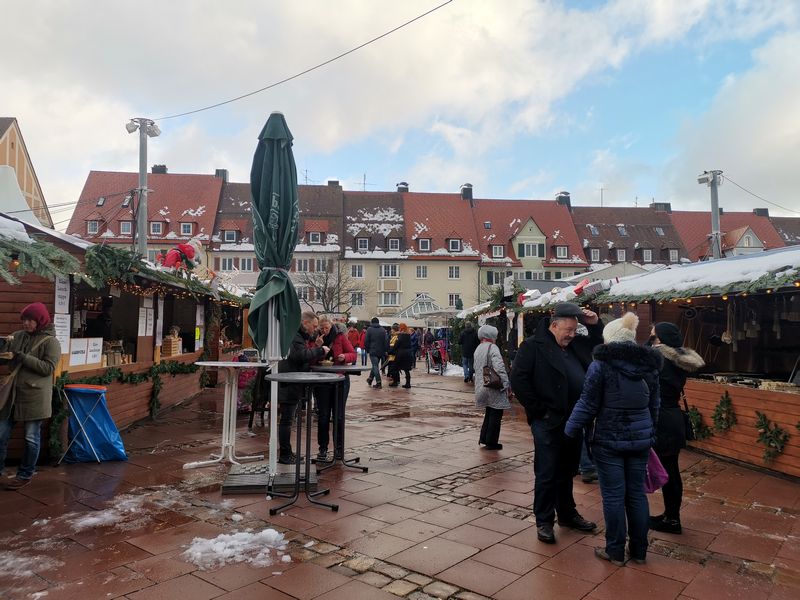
{"type": "Point", "coordinates": [328, 560]}
{"type": "Point", "coordinates": [392, 571]}
{"type": "Point", "coordinates": [470, 596]}
{"type": "Point", "coordinates": [418, 578]}
{"type": "Point", "coordinates": [359, 564]}
{"type": "Point", "coordinates": [374, 579]}
{"type": "Point", "coordinates": [400, 587]}
{"type": "Point", "coordinates": [343, 571]}
{"type": "Point", "coordinates": [420, 596]}
{"type": "Point", "coordinates": [439, 589]}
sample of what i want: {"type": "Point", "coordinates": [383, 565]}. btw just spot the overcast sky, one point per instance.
{"type": "Point", "coordinates": [520, 98]}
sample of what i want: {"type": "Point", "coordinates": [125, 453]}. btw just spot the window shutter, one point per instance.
{"type": "Point", "coordinates": [541, 250]}
{"type": "Point", "coordinates": [216, 263]}
{"type": "Point", "coordinates": [520, 250]}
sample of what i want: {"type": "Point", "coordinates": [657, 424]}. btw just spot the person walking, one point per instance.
{"type": "Point", "coordinates": [414, 347]}
{"type": "Point", "coordinates": [670, 430]}
{"type": "Point", "coordinates": [621, 395]}
{"type": "Point", "coordinates": [362, 334]}
{"type": "Point", "coordinates": [32, 354]}
{"type": "Point", "coordinates": [341, 353]}
{"type": "Point", "coordinates": [403, 358]}
{"type": "Point", "coordinates": [547, 379]}
{"type": "Point", "coordinates": [493, 401]}
{"type": "Point", "coordinates": [376, 344]}
{"type": "Point", "coordinates": [468, 340]}
{"type": "Point", "coordinates": [390, 364]}
{"type": "Point", "coordinates": [304, 350]}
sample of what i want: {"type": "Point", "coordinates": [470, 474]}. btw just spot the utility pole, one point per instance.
{"type": "Point", "coordinates": [601, 197]}
{"type": "Point", "coordinates": [147, 128]}
{"type": "Point", "coordinates": [712, 179]}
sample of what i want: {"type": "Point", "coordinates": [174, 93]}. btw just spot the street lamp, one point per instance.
{"type": "Point", "coordinates": [147, 128]}
{"type": "Point", "coordinates": [712, 180]}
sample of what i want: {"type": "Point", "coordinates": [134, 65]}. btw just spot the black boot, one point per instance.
{"type": "Point", "coordinates": [408, 382]}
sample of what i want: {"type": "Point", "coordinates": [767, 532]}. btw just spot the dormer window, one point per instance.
{"type": "Point", "coordinates": [394, 244]}
{"type": "Point", "coordinates": [186, 229]}
{"type": "Point", "coordinates": [92, 227]}
{"type": "Point", "coordinates": [647, 255]}
{"type": "Point", "coordinates": [487, 224]}
{"type": "Point", "coordinates": [620, 255]}
{"type": "Point", "coordinates": [101, 200]}
{"type": "Point", "coordinates": [595, 254]}
{"type": "Point", "coordinates": [125, 227]}
{"type": "Point", "coordinates": [498, 251]}
{"type": "Point", "coordinates": [314, 237]}
{"type": "Point", "coordinates": [454, 245]}
{"type": "Point", "coordinates": [424, 245]}
{"type": "Point", "coordinates": [156, 228]}
{"type": "Point", "coordinates": [229, 235]}
{"type": "Point", "coordinates": [674, 255]}
{"type": "Point", "coordinates": [561, 252]}
{"type": "Point", "coordinates": [362, 244]}
{"type": "Point", "coordinates": [621, 230]}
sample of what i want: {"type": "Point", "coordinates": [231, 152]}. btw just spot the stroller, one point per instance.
{"type": "Point", "coordinates": [436, 357]}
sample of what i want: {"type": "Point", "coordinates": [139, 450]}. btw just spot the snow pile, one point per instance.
{"type": "Point", "coordinates": [454, 370]}
{"type": "Point", "coordinates": [127, 513]}
{"type": "Point", "coordinates": [536, 299]}
{"type": "Point", "coordinates": [18, 566]}
{"type": "Point", "coordinates": [260, 549]}
{"type": "Point", "coordinates": [721, 274]}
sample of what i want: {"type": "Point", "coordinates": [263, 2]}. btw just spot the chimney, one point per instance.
{"type": "Point", "coordinates": [761, 212]}
{"type": "Point", "coordinates": [720, 210]}
{"type": "Point", "coordinates": [466, 193]}
{"type": "Point", "coordinates": [159, 169]}
{"type": "Point", "coordinates": [402, 186]}
{"type": "Point", "coordinates": [333, 182]}
{"type": "Point", "coordinates": [662, 207]}
{"type": "Point", "coordinates": [563, 199]}
{"type": "Point", "coordinates": [222, 174]}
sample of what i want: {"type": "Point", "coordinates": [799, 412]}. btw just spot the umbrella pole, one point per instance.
{"type": "Point", "coordinates": [273, 352]}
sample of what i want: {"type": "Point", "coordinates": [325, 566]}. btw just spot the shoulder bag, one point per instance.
{"type": "Point", "coordinates": [491, 379]}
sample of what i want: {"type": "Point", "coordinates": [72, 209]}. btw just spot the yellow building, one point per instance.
{"type": "Point", "coordinates": [14, 154]}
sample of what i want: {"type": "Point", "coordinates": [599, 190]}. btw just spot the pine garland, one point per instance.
{"type": "Point", "coordinates": [37, 256]}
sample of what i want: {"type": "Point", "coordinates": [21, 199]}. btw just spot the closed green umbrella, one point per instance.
{"type": "Point", "coordinates": [273, 181]}
{"type": "Point", "coordinates": [274, 310]}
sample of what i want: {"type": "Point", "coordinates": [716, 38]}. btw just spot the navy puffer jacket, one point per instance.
{"type": "Point", "coordinates": [621, 394]}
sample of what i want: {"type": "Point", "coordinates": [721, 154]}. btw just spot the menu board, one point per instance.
{"type": "Point", "coordinates": [150, 320]}
{"type": "Point", "coordinates": [142, 322]}
{"type": "Point", "coordinates": [62, 295]}
{"type": "Point", "coordinates": [77, 352]}
{"type": "Point", "coordinates": [94, 352]}
{"type": "Point", "coordinates": [61, 324]}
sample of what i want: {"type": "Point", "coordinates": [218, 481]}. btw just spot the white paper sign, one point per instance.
{"type": "Point", "coordinates": [94, 353]}
{"type": "Point", "coordinates": [160, 322]}
{"type": "Point", "coordinates": [150, 319]}
{"type": "Point", "coordinates": [77, 351]}
{"type": "Point", "coordinates": [61, 324]}
{"type": "Point", "coordinates": [62, 295]}
{"type": "Point", "coordinates": [147, 302]}
{"type": "Point", "coordinates": [142, 322]}
{"type": "Point", "coordinates": [200, 315]}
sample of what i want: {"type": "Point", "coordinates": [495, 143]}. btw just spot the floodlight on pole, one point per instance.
{"type": "Point", "coordinates": [147, 128]}
{"type": "Point", "coordinates": [712, 180]}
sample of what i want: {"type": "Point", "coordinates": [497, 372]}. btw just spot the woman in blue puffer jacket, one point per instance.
{"type": "Point", "coordinates": [621, 395]}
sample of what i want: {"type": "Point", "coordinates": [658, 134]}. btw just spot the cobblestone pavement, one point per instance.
{"type": "Point", "coordinates": [435, 517]}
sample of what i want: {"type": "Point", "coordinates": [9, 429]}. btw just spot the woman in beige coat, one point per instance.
{"type": "Point", "coordinates": [493, 401]}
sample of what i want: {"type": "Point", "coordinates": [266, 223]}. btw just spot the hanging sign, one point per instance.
{"type": "Point", "coordinates": [62, 295]}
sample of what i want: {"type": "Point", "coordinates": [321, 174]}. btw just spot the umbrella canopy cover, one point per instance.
{"type": "Point", "coordinates": [273, 181]}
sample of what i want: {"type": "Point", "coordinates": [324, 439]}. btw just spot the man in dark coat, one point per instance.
{"type": "Point", "coordinates": [304, 350]}
{"type": "Point", "coordinates": [468, 340]}
{"type": "Point", "coordinates": [547, 379]}
{"type": "Point", "coordinates": [32, 353]}
{"type": "Point", "coordinates": [376, 344]}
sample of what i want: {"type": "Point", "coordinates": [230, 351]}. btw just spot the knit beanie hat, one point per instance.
{"type": "Point", "coordinates": [36, 312]}
{"type": "Point", "coordinates": [669, 334]}
{"type": "Point", "coordinates": [621, 330]}
{"type": "Point", "coordinates": [487, 332]}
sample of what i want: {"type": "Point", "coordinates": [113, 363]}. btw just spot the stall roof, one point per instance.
{"type": "Point", "coordinates": [765, 270]}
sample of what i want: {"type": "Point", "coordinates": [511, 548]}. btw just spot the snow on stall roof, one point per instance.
{"type": "Point", "coordinates": [472, 310]}
{"type": "Point", "coordinates": [260, 549]}
{"type": "Point", "coordinates": [13, 230]}
{"type": "Point", "coordinates": [722, 273]}
{"type": "Point", "coordinates": [74, 240]}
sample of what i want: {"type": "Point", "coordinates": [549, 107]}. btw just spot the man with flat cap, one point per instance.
{"type": "Point", "coordinates": [547, 379]}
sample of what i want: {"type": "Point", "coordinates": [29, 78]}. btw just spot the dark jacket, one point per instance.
{"type": "Point", "coordinates": [300, 357]}
{"type": "Point", "coordinates": [402, 352]}
{"type": "Point", "coordinates": [678, 363]}
{"type": "Point", "coordinates": [620, 394]}
{"type": "Point", "coordinates": [33, 387]}
{"type": "Point", "coordinates": [376, 341]}
{"type": "Point", "coordinates": [538, 376]}
{"type": "Point", "coordinates": [468, 340]}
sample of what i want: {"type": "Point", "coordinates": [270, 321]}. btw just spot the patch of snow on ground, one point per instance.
{"type": "Point", "coordinates": [18, 566]}
{"type": "Point", "coordinates": [253, 548]}
{"type": "Point", "coordinates": [454, 370]}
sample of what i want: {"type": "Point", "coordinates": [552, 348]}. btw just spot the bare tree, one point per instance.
{"type": "Point", "coordinates": [332, 289]}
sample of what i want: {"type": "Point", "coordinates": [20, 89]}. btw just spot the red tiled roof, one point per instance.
{"type": "Point", "coordinates": [788, 229]}
{"type": "Point", "coordinates": [318, 225]}
{"type": "Point", "coordinates": [439, 217]}
{"type": "Point", "coordinates": [509, 216]}
{"type": "Point", "coordinates": [731, 238]}
{"type": "Point", "coordinates": [694, 228]}
{"type": "Point", "coordinates": [174, 198]}
{"type": "Point", "coordinates": [230, 225]}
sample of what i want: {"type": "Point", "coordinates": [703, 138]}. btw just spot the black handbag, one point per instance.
{"type": "Point", "coordinates": [687, 422]}
{"type": "Point", "coordinates": [491, 379]}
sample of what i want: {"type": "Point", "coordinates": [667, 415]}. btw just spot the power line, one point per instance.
{"type": "Point", "coordinates": [310, 69]}
{"type": "Point", "coordinates": [744, 189]}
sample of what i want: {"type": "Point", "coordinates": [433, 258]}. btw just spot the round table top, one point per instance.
{"type": "Point", "coordinates": [230, 364]}
{"type": "Point", "coordinates": [304, 377]}
{"type": "Point", "coordinates": [339, 368]}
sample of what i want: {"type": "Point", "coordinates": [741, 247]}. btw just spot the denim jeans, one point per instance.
{"type": "Point", "coordinates": [622, 489]}
{"type": "Point", "coordinates": [586, 465]}
{"type": "Point", "coordinates": [363, 358]}
{"type": "Point", "coordinates": [555, 463]}
{"type": "Point", "coordinates": [469, 367]}
{"type": "Point", "coordinates": [33, 434]}
{"type": "Point", "coordinates": [375, 373]}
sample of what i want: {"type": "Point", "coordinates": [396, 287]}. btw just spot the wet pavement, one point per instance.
{"type": "Point", "coordinates": [435, 517]}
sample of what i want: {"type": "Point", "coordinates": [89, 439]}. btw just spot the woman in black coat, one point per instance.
{"type": "Point", "coordinates": [403, 356]}
{"type": "Point", "coordinates": [670, 432]}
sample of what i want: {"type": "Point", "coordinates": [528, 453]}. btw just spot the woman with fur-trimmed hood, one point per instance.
{"type": "Point", "coordinates": [670, 432]}
{"type": "Point", "coordinates": [620, 394]}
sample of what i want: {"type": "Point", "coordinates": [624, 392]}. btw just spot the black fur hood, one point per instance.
{"type": "Point", "coordinates": [629, 357]}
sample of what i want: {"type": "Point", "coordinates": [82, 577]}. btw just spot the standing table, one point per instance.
{"type": "Point", "coordinates": [228, 451]}
{"type": "Point", "coordinates": [307, 380]}
{"type": "Point", "coordinates": [338, 416]}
